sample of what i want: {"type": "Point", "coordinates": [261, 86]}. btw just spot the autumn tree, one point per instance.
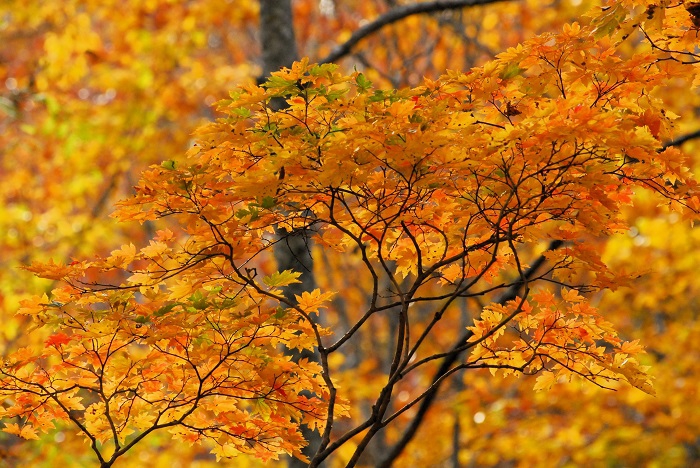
{"type": "Point", "coordinates": [493, 188]}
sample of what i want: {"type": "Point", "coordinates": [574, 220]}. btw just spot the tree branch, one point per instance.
{"type": "Point", "coordinates": [397, 14]}
{"type": "Point", "coordinates": [454, 354]}
{"type": "Point", "coordinates": [682, 139]}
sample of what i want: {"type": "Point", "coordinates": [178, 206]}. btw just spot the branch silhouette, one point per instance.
{"type": "Point", "coordinates": [454, 353]}
{"type": "Point", "coordinates": [682, 139]}
{"type": "Point", "coordinates": [397, 14]}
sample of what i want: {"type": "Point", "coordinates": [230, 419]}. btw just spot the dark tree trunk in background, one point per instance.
{"type": "Point", "coordinates": [292, 252]}
{"type": "Point", "coordinates": [277, 35]}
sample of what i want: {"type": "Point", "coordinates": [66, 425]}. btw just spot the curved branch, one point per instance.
{"type": "Point", "coordinates": [451, 358]}
{"type": "Point", "coordinates": [397, 14]}
{"type": "Point", "coordinates": [682, 139]}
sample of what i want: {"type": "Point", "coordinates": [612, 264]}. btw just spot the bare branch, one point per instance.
{"type": "Point", "coordinates": [451, 358]}
{"type": "Point", "coordinates": [397, 14]}
{"type": "Point", "coordinates": [682, 139]}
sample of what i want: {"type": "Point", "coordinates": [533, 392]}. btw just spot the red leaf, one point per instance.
{"type": "Point", "coordinates": [57, 339]}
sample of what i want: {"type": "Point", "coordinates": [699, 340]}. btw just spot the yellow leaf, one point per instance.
{"type": "Point", "coordinates": [282, 278]}
{"type": "Point", "coordinates": [571, 295]}
{"type": "Point", "coordinates": [143, 420]}
{"type": "Point", "coordinates": [545, 381]}
{"type": "Point", "coordinates": [154, 249]}
{"type": "Point", "coordinates": [33, 306]}
{"type": "Point", "coordinates": [26, 432]}
{"type": "Point", "coordinates": [139, 278]}
{"type": "Point", "coordinates": [181, 289]}
{"type": "Point", "coordinates": [122, 257]}
{"type": "Point", "coordinates": [312, 301]}
{"type": "Point", "coordinates": [631, 347]}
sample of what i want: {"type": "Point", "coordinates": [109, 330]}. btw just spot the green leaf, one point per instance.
{"type": "Point", "coordinates": [362, 82]}
{"type": "Point", "coordinates": [263, 409]}
{"type": "Point", "coordinates": [281, 312]}
{"type": "Point", "coordinates": [165, 309]}
{"type": "Point", "coordinates": [268, 202]}
{"type": "Point", "coordinates": [169, 165]}
{"type": "Point", "coordinates": [198, 300]}
{"type": "Point", "coordinates": [415, 118]}
{"type": "Point", "coordinates": [511, 70]}
{"type": "Point", "coordinates": [608, 23]}
{"type": "Point", "coordinates": [282, 278]}
{"type": "Point", "coordinates": [270, 127]}
{"type": "Point", "coordinates": [333, 95]}
{"type": "Point", "coordinates": [378, 95]}
{"type": "Point", "coordinates": [242, 112]}
{"type": "Point", "coordinates": [251, 211]}
{"type": "Point", "coordinates": [226, 304]}
{"type": "Point", "coordinates": [325, 69]}
{"type": "Point", "coordinates": [200, 340]}
{"type": "Point", "coordinates": [279, 82]}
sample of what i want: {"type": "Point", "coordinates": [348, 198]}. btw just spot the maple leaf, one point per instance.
{"type": "Point", "coordinates": [631, 347]}
{"type": "Point", "coordinates": [155, 249]}
{"type": "Point", "coordinates": [122, 257]}
{"type": "Point", "coordinates": [312, 301]}
{"type": "Point", "coordinates": [33, 306]}
{"type": "Point", "coordinates": [25, 432]}
{"type": "Point", "coordinates": [544, 297]}
{"type": "Point", "coordinates": [55, 271]}
{"type": "Point", "coordinates": [72, 402]}
{"type": "Point", "coordinates": [282, 278]}
{"type": "Point", "coordinates": [571, 295]}
{"type": "Point", "coordinates": [140, 278]}
{"type": "Point", "coordinates": [57, 340]}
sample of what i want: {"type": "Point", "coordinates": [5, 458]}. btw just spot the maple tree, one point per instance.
{"type": "Point", "coordinates": [493, 188]}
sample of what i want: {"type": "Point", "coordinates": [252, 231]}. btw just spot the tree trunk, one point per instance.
{"type": "Point", "coordinates": [292, 252]}
{"type": "Point", "coordinates": [277, 35]}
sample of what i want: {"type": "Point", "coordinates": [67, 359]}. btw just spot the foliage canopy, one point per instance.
{"type": "Point", "coordinates": [441, 193]}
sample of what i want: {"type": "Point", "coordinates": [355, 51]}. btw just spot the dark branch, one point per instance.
{"type": "Point", "coordinates": [454, 354]}
{"type": "Point", "coordinates": [397, 14]}
{"type": "Point", "coordinates": [682, 139]}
